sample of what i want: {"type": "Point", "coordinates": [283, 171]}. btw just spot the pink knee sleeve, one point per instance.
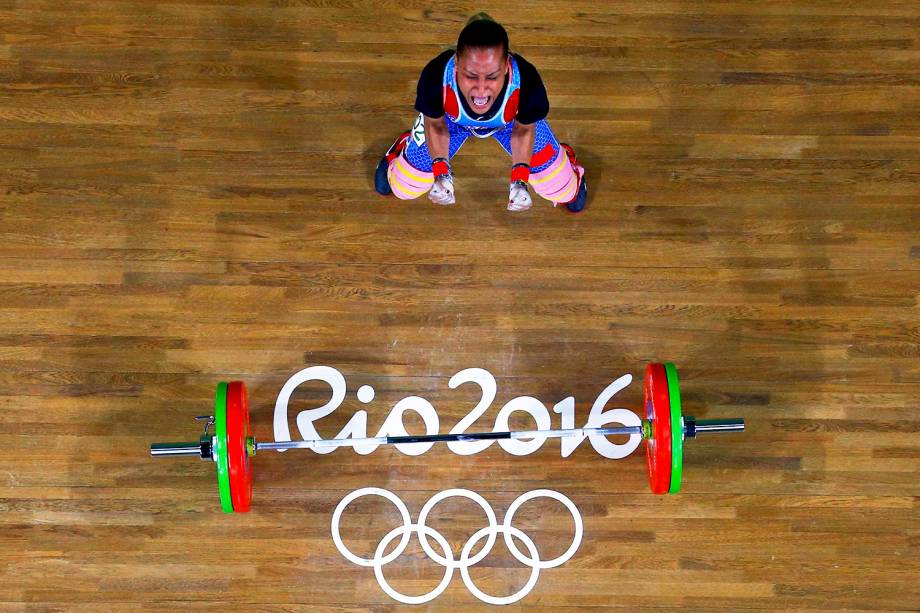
{"type": "Point", "coordinates": [406, 181]}
{"type": "Point", "coordinates": [559, 182]}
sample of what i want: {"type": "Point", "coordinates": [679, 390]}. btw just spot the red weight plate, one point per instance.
{"type": "Point", "coordinates": [237, 433]}
{"type": "Point", "coordinates": [658, 413]}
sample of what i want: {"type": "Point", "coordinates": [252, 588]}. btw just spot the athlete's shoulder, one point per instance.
{"type": "Point", "coordinates": [428, 99]}
{"type": "Point", "coordinates": [438, 63]}
{"type": "Point", "coordinates": [525, 67]}
{"type": "Point", "coordinates": [534, 103]}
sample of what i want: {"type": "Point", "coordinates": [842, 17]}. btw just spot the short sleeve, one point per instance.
{"type": "Point", "coordinates": [534, 103]}
{"type": "Point", "coordinates": [429, 96]}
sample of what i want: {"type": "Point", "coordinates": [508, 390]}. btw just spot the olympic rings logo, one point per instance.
{"type": "Point", "coordinates": [447, 560]}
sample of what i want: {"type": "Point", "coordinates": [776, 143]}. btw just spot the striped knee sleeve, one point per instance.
{"type": "Point", "coordinates": [558, 182]}
{"type": "Point", "coordinates": [406, 181]}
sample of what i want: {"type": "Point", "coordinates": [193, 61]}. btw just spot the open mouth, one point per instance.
{"type": "Point", "coordinates": [481, 102]}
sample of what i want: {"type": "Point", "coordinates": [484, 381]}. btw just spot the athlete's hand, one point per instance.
{"type": "Point", "coordinates": [519, 197]}
{"type": "Point", "coordinates": [442, 192]}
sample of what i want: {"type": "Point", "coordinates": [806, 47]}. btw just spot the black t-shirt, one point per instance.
{"type": "Point", "coordinates": [533, 105]}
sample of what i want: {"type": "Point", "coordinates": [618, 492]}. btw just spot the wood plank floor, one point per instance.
{"type": "Point", "coordinates": [186, 196]}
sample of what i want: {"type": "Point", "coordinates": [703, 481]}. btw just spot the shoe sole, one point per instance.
{"type": "Point", "coordinates": [377, 175]}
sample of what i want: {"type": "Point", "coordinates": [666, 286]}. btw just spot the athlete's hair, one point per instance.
{"type": "Point", "coordinates": [482, 32]}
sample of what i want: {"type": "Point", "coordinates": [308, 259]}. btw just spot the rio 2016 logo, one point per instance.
{"type": "Point", "coordinates": [393, 424]}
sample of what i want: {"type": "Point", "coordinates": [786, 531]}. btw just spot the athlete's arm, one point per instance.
{"type": "Point", "coordinates": [438, 140]}
{"type": "Point", "coordinates": [522, 136]}
{"type": "Point", "coordinates": [437, 137]}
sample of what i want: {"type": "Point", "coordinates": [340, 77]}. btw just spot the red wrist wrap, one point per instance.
{"type": "Point", "coordinates": [520, 173]}
{"type": "Point", "coordinates": [439, 168]}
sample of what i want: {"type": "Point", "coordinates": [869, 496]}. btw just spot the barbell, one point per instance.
{"type": "Point", "coordinates": [230, 447]}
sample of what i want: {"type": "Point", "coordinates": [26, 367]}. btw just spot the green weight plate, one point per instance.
{"type": "Point", "coordinates": [677, 428]}
{"type": "Point", "coordinates": [220, 447]}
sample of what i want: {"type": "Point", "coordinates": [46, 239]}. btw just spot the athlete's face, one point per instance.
{"type": "Point", "coordinates": [481, 75]}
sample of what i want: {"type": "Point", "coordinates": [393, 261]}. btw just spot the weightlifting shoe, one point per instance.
{"type": "Point", "coordinates": [381, 182]}
{"type": "Point", "coordinates": [576, 204]}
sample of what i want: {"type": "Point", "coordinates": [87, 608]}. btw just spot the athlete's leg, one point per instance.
{"type": "Point", "coordinates": [554, 174]}
{"type": "Point", "coordinates": [409, 172]}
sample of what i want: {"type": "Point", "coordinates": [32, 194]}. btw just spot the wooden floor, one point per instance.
{"type": "Point", "coordinates": [186, 196]}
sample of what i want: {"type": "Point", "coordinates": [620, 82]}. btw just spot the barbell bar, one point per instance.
{"type": "Point", "coordinates": [230, 447]}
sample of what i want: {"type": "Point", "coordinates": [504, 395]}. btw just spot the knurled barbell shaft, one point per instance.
{"type": "Point", "coordinates": [444, 438]}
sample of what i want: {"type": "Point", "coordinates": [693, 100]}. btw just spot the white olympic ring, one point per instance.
{"type": "Point", "coordinates": [448, 560]}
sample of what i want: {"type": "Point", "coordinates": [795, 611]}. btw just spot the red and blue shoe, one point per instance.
{"type": "Point", "coordinates": [381, 182]}
{"type": "Point", "coordinates": [576, 204]}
